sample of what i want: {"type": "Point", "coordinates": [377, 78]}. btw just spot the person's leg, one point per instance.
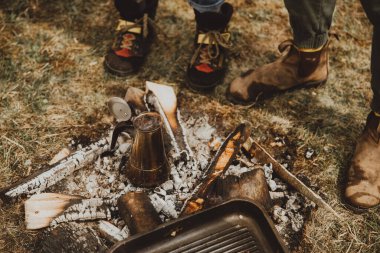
{"type": "Point", "coordinates": [363, 177]}
{"type": "Point", "coordinates": [134, 9]}
{"type": "Point", "coordinates": [375, 68]}
{"type": "Point", "coordinates": [206, 5]}
{"type": "Point", "coordinates": [310, 21]}
{"type": "Point", "coordinates": [133, 36]}
{"type": "Point", "coordinates": [372, 9]}
{"type": "Point", "coordinates": [305, 59]}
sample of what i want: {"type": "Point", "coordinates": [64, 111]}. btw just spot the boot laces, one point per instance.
{"type": "Point", "coordinates": [124, 28]}
{"type": "Point", "coordinates": [215, 41]}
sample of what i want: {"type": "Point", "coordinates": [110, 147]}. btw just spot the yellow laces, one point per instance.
{"type": "Point", "coordinates": [213, 38]}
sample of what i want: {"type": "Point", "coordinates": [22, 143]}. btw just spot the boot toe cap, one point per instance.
{"type": "Point", "coordinates": [237, 92]}
{"type": "Point", "coordinates": [204, 80]}
{"type": "Point", "coordinates": [120, 66]}
{"type": "Point", "coordinates": [356, 197]}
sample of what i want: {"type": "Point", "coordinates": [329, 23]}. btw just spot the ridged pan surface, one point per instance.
{"type": "Point", "coordinates": [232, 227]}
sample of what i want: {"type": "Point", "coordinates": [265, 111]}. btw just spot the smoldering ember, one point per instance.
{"type": "Point", "coordinates": [106, 194]}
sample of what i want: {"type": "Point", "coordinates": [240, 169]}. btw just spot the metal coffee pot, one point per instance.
{"type": "Point", "coordinates": [148, 165]}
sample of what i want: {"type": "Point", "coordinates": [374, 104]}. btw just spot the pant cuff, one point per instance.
{"type": "Point", "coordinates": [211, 6]}
{"type": "Point", "coordinates": [311, 43]}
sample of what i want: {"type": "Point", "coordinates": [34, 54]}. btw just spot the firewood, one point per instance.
{"type": "Point", "coordinates": [41, 209]}
{"type": "Point", "coordinates": [218, 165]}
{"type": "Point", "coordinates": [86, 210]}
{"type": "Point", "coordinates": [47, 177]}
{"type": "Point", "coordinates": [165, 102]}
{"type": "Point", "coordinates": [256, 150]}
{"type": "Point", "coordinates": [251, 185]}
{"type": "Point", "coordinates": [138, 212]}
{"type": "Point", "coordinates": [71, 238]}
{"type": "Point", "coordinates": [111, 232]}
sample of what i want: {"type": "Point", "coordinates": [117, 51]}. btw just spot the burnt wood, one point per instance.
{"type": "Point", "coordinates": [71, 238]}
{"type": "Point", "coordinates": [250, 185]}
{"type": "Point", "coordinates": [138, 212]}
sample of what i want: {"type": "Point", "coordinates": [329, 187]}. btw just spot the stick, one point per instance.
{"type": "Point", "coordinates": [50, 176]}
{"type": "Point", "coordinates": [252, 147]}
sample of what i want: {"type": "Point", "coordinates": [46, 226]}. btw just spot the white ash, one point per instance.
{"type": "Point", "coordinates": [309, 154]}
{"type": "Point", "coordinates": [106, 179]}
{"type": "Point", "coordinates": [87, 209]}
{"type": "Point", "coordinates": [237, 170]}
{"type": "Point", "coordinates": [112, 232]}
{"type": "Point", "coordinates": [289, 208]}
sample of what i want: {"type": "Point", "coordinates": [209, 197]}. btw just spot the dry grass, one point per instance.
{"type": "Point", "coordinates": [53, 87]}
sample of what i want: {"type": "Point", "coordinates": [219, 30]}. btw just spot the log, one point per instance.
{"type": "Point", "coordinates": [138, 212]}
{"type": "Point", "coordinates": [41, 209]}
{"type": "Point", "coordinates": [250, 185]}
{"type": "Point", "coordinates": [47, 177]}
{"type": "Point", "coordinates": [71, 238]}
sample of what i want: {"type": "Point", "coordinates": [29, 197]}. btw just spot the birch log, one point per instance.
{"type": "Point", "coordinates": [45, 178]}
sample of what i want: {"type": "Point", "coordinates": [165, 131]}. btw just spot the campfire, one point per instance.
{"type": "Point", "coordinates": [155, 166]}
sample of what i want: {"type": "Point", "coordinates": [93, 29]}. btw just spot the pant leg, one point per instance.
{"type": "Point", "coordinates": [206, 5]}
{"type": "Point", "coordinates": [372, 8]}
{"type": "Point", "coordinates": [134, 9]}
{"type": "Point", "coordinates": [310, 21]}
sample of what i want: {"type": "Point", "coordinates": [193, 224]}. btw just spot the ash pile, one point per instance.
{"type": "Point", "coordinates": [87, 183]}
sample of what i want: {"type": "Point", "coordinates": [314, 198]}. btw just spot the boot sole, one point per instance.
{"type": "Point", "coordinates": [116, 72]}
{"type": "Point", "coordinates": [307, 85]}
{"type": "Point", "coordinates": [200, 88]}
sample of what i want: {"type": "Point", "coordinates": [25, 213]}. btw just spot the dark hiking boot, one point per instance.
{"type": "Point", "coordinates": [134, 36]}
{"type": "Point", "coordinates": [208, 65]}
{"type": "Point", "coordinates": [363, 178]}
{"type": "Point", "coordinates": [294, 69]}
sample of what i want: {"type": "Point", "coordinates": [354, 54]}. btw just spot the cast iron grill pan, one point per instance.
{"type": "Point", "coordinates": [232, 227]}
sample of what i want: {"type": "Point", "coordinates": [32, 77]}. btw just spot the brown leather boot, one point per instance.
{"type": "Point", "coordinates": [295, 69]}
{"type": "Point", "coordinates": [363, 178]}
{"type": "Point", "coordinates": [134, 35]}
{"type": "Point", "coordinates": [208, 64]}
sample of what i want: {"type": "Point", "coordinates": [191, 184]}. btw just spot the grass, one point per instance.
{"type": "Point", "coordinates": [53, 87]}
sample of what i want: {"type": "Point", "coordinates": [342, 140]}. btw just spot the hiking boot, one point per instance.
{"type": "Point", "coordinates": [363, 177]}
{"type": "Point", "coordinates": [294, 69]}
{"type": "Point", "coordinates": [208, 66]}
{"type": "Point", "coordinates": [134, 36]}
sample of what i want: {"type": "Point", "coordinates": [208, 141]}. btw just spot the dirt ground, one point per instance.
{"type": "Point", "coordinates": [53, 87]}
